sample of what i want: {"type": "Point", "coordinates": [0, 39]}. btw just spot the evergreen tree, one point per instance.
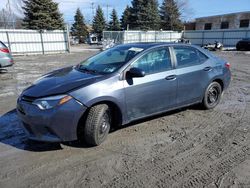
{"type": "Point", "coordinates": [137, 14]}
{"type": "Point", "coordinates": [152, 19]}
{"type": "Point", "coordinates": [79, 28]}
{"type": "Point", "coordinates": [125, 22]}
{"type": "Point", "coordinates": [114, 24]}
{"type": "Point", "coordinates": [170, 15]}
{"type": "Point", "coordinates": [144, 15]}
{"type": "Point", "coordinates": [99, 22]}
{"type": "Point", "coordinates": [42, 14]}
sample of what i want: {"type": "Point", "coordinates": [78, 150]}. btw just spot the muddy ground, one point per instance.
{"type": "Point", "coordinates": [185, 148]}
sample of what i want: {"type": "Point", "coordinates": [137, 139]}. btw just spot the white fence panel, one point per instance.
{"type": "Point", "coordinates": [141, 36]}
{"type": "Point", "coordinates": [34, 41]}
{"type": "Point", "coordinates": [227, 37]}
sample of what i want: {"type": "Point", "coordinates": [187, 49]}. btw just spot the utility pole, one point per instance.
{"type": "Point", "coordinates": [93, 12]}
{"type": "Point", "coordinates": [108, 13]}
{"type": "Point", "coordinates": [10, 16]}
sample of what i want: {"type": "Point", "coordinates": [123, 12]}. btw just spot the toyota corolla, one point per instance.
{"type": "Point", "coordinates": [120, 85]}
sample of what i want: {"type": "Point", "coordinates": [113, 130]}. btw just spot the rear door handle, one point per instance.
{"type": "Point", "coordinates": [207, 69]}
{"type": "Point", "coordinates": [171, 77]}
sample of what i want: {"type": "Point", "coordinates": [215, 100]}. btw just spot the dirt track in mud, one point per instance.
{"type": "Point", "coordinates": [185, 148]}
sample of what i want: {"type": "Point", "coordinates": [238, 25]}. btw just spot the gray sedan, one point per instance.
{"type": "Point", "coordinates": [6, 59]}
{"type": "Point", "coordinates": [120, 85]}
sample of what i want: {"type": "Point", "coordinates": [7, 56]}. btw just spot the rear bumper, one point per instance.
{"type": "Point", "coordinates": [6, 62]}
{"type": "Point", "coordinates": [55, 125]}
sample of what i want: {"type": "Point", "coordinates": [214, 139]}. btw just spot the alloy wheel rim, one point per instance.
{"type": "Point", "coordinates": [105, 123]}
{"type": "Point", "coordinates": [213, 95]}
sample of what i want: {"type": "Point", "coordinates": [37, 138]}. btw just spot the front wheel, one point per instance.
{"type": "Point", "coordinates": [97, 124]}
{"type": "Point", "coordinates": [212, 95]}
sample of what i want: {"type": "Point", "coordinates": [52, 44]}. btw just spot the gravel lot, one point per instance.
{"type": "Point", "coordinates": [185, 148]}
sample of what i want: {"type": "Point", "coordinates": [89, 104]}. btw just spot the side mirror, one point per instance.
{"type": "Point", "coordinates": [136, 73]}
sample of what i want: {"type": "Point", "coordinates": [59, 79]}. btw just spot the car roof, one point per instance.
{"type": "Point", "coordinates": [150, 45]}
{"type": "Point", "coordinates": [147, 45]}
{"type": "Point", "coordinates": [144, 45]}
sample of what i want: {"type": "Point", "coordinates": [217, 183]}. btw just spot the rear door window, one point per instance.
{"type": "Point", "coordinates": [187, 56]}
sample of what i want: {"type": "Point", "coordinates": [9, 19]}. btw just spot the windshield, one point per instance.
{"type": "Point", "coordinates": [110, 60]}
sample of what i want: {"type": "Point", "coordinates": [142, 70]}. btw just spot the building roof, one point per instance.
{"type": "Point", "coordinates": [245, 12]}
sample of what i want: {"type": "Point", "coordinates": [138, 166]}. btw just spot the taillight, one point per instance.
{"type": "Point", "coordinates": [4, 50]}
{"type": "Point", "coordinates": [227, 65]}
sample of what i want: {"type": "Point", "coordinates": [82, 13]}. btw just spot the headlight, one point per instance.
{"type": "Point", "coordinates": [51, 102]}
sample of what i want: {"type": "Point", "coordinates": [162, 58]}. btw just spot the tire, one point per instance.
{"type": "Point", "coordinates": [212, 96]}
{"type": "Point", "coordinates": [97, 124]}
{"type": "Point", "coordinates": [238, 48]}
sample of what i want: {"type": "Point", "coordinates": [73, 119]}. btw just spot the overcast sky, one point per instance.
{"type": "Point", "coordinates": [197, 8]}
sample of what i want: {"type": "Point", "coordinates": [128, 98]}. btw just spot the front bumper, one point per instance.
{"type": "Point", "coordinates": [54, 125]}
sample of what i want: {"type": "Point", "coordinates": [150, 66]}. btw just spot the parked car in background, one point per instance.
{"type": "Point", "coordinates": [120, 85]}
{"type": "Point", "coordinates": [243, 44]}
{"type": "Point", "coordinates": [6, 58]}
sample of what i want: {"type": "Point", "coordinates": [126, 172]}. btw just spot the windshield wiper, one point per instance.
{"type": "Point", "coordinates": [85, 69]}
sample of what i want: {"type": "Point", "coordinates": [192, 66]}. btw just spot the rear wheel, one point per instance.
{"type": "Point", "coordinates": [97, 124]}
{"type": "Point", "coordinates": [212, 95]}
{"type": "Point", "coordinates": [238, 48]}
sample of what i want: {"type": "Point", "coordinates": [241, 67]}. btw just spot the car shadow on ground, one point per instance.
{"type": "Point", "coordinates": [3, 71]}
{"type": "Point", "coordinates": [192, 107]}
{"type": "Point", "coordinates": [13, 134]}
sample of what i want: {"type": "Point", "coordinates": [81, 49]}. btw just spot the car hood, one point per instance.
{"type": "Point", "coordinates": [59, 82]}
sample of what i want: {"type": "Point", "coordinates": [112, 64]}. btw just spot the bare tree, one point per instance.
{"type": "Point", "coordinates": [18, 7]}
{"type": "Point", "coordinates": [185, 9]}
{"type": "Point", "coordinates": [11, 15]}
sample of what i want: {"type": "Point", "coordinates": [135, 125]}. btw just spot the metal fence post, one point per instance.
{"type": "Point", "coordinates": [68, 39]}
{"type": "Point", "coordinates": [8, 40]}
{"type": "Point", "coordinates": [41, 36]}
{"type": "Point", "coordinates": [202, 40]}
{"type": "Point", "coordinates": [223, 36]}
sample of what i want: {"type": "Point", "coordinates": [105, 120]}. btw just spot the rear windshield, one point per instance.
{"type": "Point", "coordinates": [2, 45]}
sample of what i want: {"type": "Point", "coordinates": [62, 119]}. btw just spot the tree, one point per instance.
{"type": "Point", "coordinates": [125, 18]}
{"type": "Point", "coordinates": [9, 20]}
{"type": "Point", "coordinates": [99, 22]}
{"type": "Point", "coordinates": [42, 14]}
{"type": "Point", "coordinates": [114, 24]}
{"type": "Point", "coordinates": [79, 28]}
{"type": "Point", "coordinates": [152, 20]}
{"type": "Point", "coordinates": [137, 13]}
{"type": "Point", "coordinates": [144, 15]}
{"type": "Point", "coordinates": [170, 15]}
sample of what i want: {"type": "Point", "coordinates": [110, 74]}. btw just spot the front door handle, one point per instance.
{"type": "Point", "coordinates": [207, 69]}
{"type": "Point", "coordinates": [171, 77]}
